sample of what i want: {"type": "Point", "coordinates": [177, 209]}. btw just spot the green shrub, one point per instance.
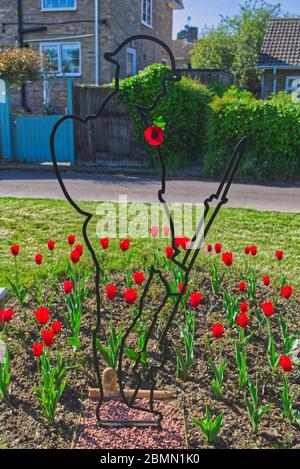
{"type": "Point", "coordinates": [183, 111]}
{"type": "Point", "coordinates": [18, 65]}
{"type": "Point", "coordinates": [273, 151]}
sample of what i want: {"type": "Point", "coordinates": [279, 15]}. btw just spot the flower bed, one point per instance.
{"type": "Point", "coordinates": [233, 362]}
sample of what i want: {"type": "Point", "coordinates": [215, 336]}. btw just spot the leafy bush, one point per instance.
{"type": "Point", "coordinates": [18, 65]}
{"type": "Point", "coordinates": [273, 152]}
{"type": "Point", "coordinates": [183, 112]}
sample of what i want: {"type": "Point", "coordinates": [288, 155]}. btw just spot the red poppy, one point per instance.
{"type": "Point", "coordinates": [71, 239]}
{"type": "Point", "coordinates": [138, 277]}
{"type": "Point", "coordinates": [125, 244]}
{"type": "Point", "coordinates": [169, 252]}
{"type": "Point", "coordinates": [247, 250]}
{"type": "Point", "coordinates": [130, 295]}
{"type": "Point", "coordinates": [51, 245]}
{"type": "Point", "coordinates": [154, 231]}
{"type": "Point", "coordinates": [242, 285]}
{"type": "Point", "coordinates": [253, 250]}
{"type": "Point", "coordinates": [242, 320]}
{"type": "Point", "coordinates": [15, 249]}
{"type": "Point", "coordinates": [48, 337]}
{"type": "Point", "coordinates": [56, 327]}
{"type": "Point", "coordinates": [266, 280]}
{"type": "Point", "coordinates": [104, 243]}
{"type": "Point", "coordinates": [154, 135]}
{"type": "Point", "coordinates": [42, 315]}
{"type": "Point", "coordinates": [37, 350]}
{"type": "Point", "coordinates": [182, 242]}
{"type": "Point", "coordinates": [75, 256]}
{"type": "Point", "coordinates": [68, 286]}
{"type": "Point", "coordinates": [180, 287]}
{"type": "Point", "coordinates": [217, 330]}
{"type": "Point", "coordinates": [285, 363]}
{"type": "Point", "coordinates": [286, 291]}
{"type": "Point", "coordinates": [268, 308]}
{"type": "Point", "coordinates": [79, 249]}
{"type": "Point", "coordinates": [111, 291]}
{"type": "Point", "coordinates": [8, 315]}
{"type": "Point", "coordinates": [218, 248]}
{"type": "Point", "coordinates": [195, 299]}
{"type": "Point", "coordinates": [227, 258]}
{"type": "Point", "coordinates": [39, 259]}
{"type": "Point", "coordinates": [166, 231]}
{"type": "Point", "coordinates": [209, 248]}
{"type": "Point", "coordinates": [279, 255]}
{"type": "Point", "coordinates": [244, 307]}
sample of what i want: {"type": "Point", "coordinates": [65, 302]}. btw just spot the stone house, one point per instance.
{"type": "Point", "coordinates": [279, 59]}
{"type": "Point", "coordinates": [75, 34]}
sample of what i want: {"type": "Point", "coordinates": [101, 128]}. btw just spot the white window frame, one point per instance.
{"type": "Point", "coordinates": [131, 51]}
{"type": "Point", "coordinates": [288, 88]}
{"type": "Point", "coordinates": [58, 9]}
{"type": "Point", "coordinates": [146, 23]}
{"type": "Point", "coordinates": [59, 45]}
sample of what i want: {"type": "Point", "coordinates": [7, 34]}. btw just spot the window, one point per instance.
{"type": "Point", "coordinates": [131, 62]}
{"type": "Point", "coordinates": [292, 84]}
{"type": "Point", "coordinates": [147, 12]}
{"type": "Point", "coordinates": [59, 5]}
{"type": "Point", "coordinates": [63, 58]}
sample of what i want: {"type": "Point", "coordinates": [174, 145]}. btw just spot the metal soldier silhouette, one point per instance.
{"type": "Point", "coordinates": [140, 371]}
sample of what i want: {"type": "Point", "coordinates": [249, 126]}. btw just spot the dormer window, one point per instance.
{"type": "Point", "coordinates": [147, 13]}
{"type": "Point", "coordinates": [52, 5]}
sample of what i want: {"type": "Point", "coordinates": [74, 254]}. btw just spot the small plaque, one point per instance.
{"type": "Point", "coordinates": [2, 351]}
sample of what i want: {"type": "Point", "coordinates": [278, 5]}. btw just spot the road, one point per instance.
{"type": "Point", "coordinates": [90, 187]}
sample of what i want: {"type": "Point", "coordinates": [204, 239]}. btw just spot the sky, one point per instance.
{"type": "Point", "coordinates": [207, 12]}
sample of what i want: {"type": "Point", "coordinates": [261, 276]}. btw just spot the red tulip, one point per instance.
{"type": "Point", "coordinates": [68, 287]}
{"type": "Point", "coordinates": [268, 308]}
{"type": "Point", "coordinates": [242, 286]}
{"type": "Point", "coordinates": [169, 252]}
{"type": "Point", "coordinates": [279, 255]}
{"type": "Point", "coordinates": [286, 292]}
{"type": "Point", "coordinates": [166, 231]}
{"type": "Point", "coordinates": [39, 259]}
{"type": "Point", "coordinates": [247, 250]}
{"type": "Point", "coordinates": [125, 245]}
{"type": "Point", "coordinates": [180, 287]}
{"type": "Point", "coordinates": [71, 239]}
{"type": "Point", "coordinates": [154, 231]}
{"type": "Point", "coordinates": [209, 248]}
{"type": "Point", "coordinates": [15, 249]}
{"type": "Point", "coordinates": [51, 245]}
{"type": "Point", "coordinates": [104, 242]}
{"type": "Point", "coordinates": [79, 249]}
{"type": "Point", "coordinates": [242, 320]}
{"type": "Point", "coordinates": [48, 337]}
{"type": "Point", "coordinates": [227, 258]}
{"type": "Point", "coordinates": [8, 315]}
{"type": "Point", "coordinates": [266, 280]}
{"type": "Point", "coordinates": [154, 135]}
{"type": "Point", "coordinates": [111, 291]}
{"type": "Point", "coordinates": [217, 330]}
{"type": "Point", "coordinates": [286, 363]}
{"type": "Point", "coordinates": [130, 295]}
{"type": "Point", "coordinates": [244, 307]}
{"type": "Point", "coordinates": [253, 250]}
{"type": "Point", "coordinates": [195, 299]}
{"type": "Point", "coordinates": [218, 248]}
{"type": "Point", "coordinates": [42, 315]}
{"type": "Point", "coordinates": [182, 242]}
{"type": "Point", "coordinates": [75, 256]}
{"type": "Point", "coordinates": [56, 327]}
{"type": "Point", "coordinates": [37, 350]}
{"type": "Point", "coordinates": [138, 277]}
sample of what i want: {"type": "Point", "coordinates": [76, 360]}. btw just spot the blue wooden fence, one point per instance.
{"type": "Point", "coordinates": [27, 138]}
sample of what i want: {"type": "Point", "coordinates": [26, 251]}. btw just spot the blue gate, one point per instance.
{"type": "Point", "coordinates": [27, 138]}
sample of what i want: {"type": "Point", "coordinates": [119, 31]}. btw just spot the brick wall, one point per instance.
{"type": "Point", "coordinates": [281, 77]}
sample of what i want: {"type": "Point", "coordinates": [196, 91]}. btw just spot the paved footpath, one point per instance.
{"type": "Point", "coordinates": [42, 184]}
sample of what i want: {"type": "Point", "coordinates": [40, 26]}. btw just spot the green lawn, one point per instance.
{"type": "Point", "coordinates": [31, 223]}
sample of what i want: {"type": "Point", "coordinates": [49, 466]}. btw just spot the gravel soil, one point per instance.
{"type": "Point", "coordinates": [22, 424]}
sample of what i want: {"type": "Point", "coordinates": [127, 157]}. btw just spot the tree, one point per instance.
{"type": "Point", "coordinates": [236, 42]}
{"type": "Point", "coordinates": [18, 65]}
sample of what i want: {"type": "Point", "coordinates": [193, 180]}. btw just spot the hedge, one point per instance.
{"type": "Point", "coordinates": [183, 112]}
{"type": "Point", "coordinates": [273, 128]}
{"type": "Point", "coordinates": [18, 65]}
